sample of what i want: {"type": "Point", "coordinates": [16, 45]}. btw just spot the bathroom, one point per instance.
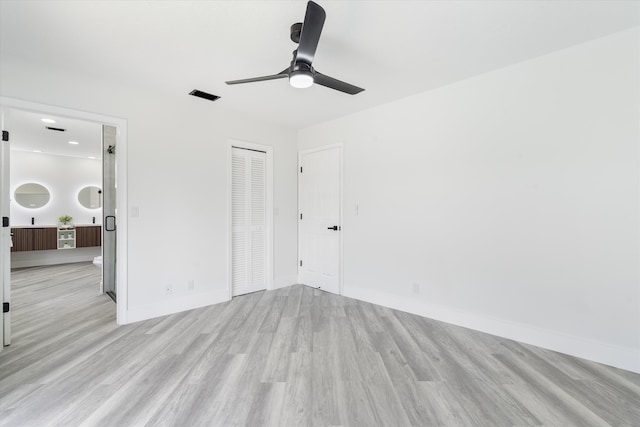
{"type": "Point", "coordinates": [55, 175]}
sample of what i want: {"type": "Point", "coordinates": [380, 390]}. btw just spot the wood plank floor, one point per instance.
{"type": "Point", "coordinates": [290, 357]}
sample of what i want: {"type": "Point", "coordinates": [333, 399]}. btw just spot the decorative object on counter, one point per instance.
{"type": "Point", "coordinates": [32, 195]}
{"type": "Point", "coordinates": [33, 221]}
{"type": "Point", "coordinates": [65, 221]}
{"type": "Point", "coordinates": [90, 197]}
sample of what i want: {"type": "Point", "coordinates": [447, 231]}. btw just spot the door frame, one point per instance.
{"type": "Point", "coordinates": [340, 147]}
{"type": "Point", "coordinates": [231, 143]}
{"type": "Point", "coordinates": [5, 236]}
{"type": "Point", "coordinates": [121, 180]}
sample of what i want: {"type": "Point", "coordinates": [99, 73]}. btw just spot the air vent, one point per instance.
{"type": "Point", "coordinates": [205, 95]}
{"type": "Point", "coordinates": [56, 129]}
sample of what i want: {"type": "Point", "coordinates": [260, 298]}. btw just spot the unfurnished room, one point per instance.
{"type": "Point", "coordinates": [320, 213]}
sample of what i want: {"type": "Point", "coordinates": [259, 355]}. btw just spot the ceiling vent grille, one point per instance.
{"type": "Point", "coordinates": [204, 95]}
{"type": "Point", "coordinates": [56, 129]}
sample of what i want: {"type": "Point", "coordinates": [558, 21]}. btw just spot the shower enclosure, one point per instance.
{"type": "Point", "coordinates": [109, 210]}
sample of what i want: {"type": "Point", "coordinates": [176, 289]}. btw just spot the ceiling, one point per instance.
{"type": "Point", "coordinates": [30, 133]}
{"type": "Point", "coordinates": [392, 48]}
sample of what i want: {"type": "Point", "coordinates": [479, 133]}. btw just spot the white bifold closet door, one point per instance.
{"type": "Point", "coordinates": [248, 221]}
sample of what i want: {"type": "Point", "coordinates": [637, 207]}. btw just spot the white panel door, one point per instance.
{"type": "Point", "coordinates": [248, 221]}
{"type": "Point", "coordinates": [320, 214]}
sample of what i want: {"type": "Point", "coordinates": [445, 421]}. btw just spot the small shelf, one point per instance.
{"type": "Point", "coordinates": [66, 238]}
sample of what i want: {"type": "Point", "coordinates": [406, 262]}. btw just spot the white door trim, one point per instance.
{"type": "Point", "coordinates": [5, 236]}
{"type": "Point", "coordinates": [301, 153]}
{"type": "Point", "coordinates": [121, 197]}
{"type": "Point", "coordinates": [269, 207]}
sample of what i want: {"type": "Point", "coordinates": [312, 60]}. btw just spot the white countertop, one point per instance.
{"type": "Point", "coordinates": [52, 225]}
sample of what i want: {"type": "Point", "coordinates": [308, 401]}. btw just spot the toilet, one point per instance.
{"type": "Point", "coordinates": [97, 261]}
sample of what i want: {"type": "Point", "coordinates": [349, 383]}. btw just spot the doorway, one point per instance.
{"type": "Point", "coordinates": [320, 218]}
{"type": "Point", "coordinates": [69, 238]}
{"type": "Point", "coordinates": [251, 218]}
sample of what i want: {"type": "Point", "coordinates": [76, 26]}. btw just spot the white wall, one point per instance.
{"type": "Point", "coordinates": [177, 178]}
{"type": "Point", "coordinates": [511, 198]}
{"type": "Point", "coordinates": [64, 177]}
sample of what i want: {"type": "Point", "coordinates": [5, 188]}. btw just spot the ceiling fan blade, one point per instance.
{"type": "Point", "coordinates": [282, 74]}
{"type": "Point", "coordinates": [336, 84]}
{"type": "Point", "coordinates": [311, 30]}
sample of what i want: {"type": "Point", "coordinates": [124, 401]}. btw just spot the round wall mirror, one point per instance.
{"type": "Point", "coordinates": [90, 197]}
{"type": "Point", "coordinates": [32, 195]}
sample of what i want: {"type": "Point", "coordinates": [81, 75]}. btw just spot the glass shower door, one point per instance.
{"type": "Point", "coordinates": [109, 210]}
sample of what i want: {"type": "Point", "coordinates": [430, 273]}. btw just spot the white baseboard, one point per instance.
{"type": "Point", "coordinates": [176, 305]}
{"type": "Point", "coordinates": [284, 281]}
{"type": "Point", "coordinates": [190, 302]}
{"type": "Point", "coordinates": [608, 354]}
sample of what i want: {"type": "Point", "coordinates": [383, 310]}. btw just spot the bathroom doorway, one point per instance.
{"type": "Point", "coordinates": [89, 223]}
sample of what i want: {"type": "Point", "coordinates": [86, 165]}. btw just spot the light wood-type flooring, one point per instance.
{"type": "Point", "coordinates": [290, 357]}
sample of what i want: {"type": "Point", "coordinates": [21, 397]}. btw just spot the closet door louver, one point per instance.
{"type": "Point", "coordinates": [258, 220]}
{"type": "Point", "coordinates": [239, 259]}
{"type": "Point", "coordinates": [248, 217]}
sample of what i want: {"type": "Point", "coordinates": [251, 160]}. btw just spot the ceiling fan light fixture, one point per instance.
{"type": "Point", "coordinates": [301, 79]}
{"type": "Point", "coordinates": [300, 72]}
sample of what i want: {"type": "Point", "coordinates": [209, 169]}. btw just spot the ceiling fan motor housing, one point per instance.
{"type": "Point", "coordinates": [296, 30]}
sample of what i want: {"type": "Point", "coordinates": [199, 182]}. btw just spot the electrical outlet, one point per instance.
{"type": "Point", "coordinates": [191, 284]}
{"type": "Point", "coordinates": [168, 290]}
{"type": "Point", "coordinates": [416, 288]}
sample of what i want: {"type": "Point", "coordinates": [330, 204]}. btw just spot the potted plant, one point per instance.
{"type": "Point", "coordinates": [65, 220]}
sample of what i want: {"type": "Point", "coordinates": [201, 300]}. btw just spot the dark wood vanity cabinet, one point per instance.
{"type": "Point", "coordinates": [46, 238]}
{"type": "Point", "coordinates": [88, 236]}
{"type": "Point", "coordinates": [22, 239]}
{"type": "Point", "coordinates": [34, 239]}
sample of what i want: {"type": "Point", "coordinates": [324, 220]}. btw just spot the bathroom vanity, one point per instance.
{"type": "Point", "coordinates": [51, 238]}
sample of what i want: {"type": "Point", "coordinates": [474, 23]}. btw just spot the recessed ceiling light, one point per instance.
{"type": "Point", "coordinates": [74, 142]}
{"type": "Point", "coordinates": [37, 151]}
{"type": "Point", "coordinates": [91, 157]}
{"type": "Point", "coordinates": [48, 120]}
